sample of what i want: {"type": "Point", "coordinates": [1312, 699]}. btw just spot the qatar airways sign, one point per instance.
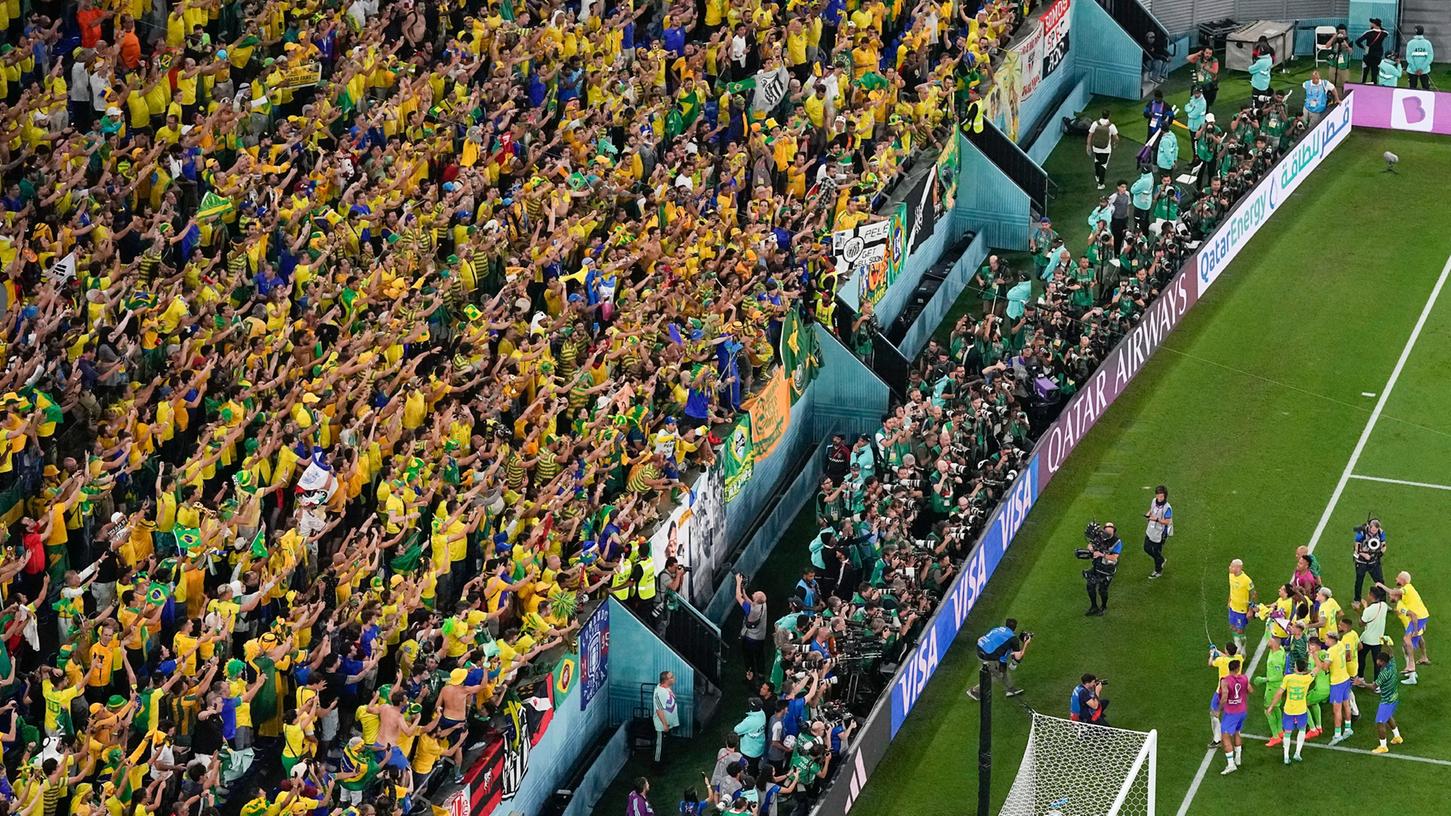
{"type": "Point", "coordinates": [1115, 373]}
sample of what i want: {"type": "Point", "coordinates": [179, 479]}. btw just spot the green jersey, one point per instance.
{"type": "Point", "coordinates": [1274, 672]}
{"type": "Point", "coordinates": [1388, 683]}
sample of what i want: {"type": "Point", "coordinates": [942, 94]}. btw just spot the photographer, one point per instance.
{"type": "Point", "coordinates": [1340, 53]}
{"type": "Point", "coordinates": [1086, 704]}
{"type": "Point", "coordinates": [1104, 548]}
{"type": "Point", "coordinates": [1160, 527]}
{"type": "Point", "coordinates": [1001, 650]}
{"type": "Point", "coordinates": [1370, 549]}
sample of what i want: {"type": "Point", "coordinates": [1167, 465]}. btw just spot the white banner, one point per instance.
{"type": "Point", "coordinates": [1257, 207]}
{"type": "Point", "coordinates": [1030, 63]}
{"type": "Point", "coordinates": [695, 534]}
{"type": "Point", "coordinates": [1054, 22]}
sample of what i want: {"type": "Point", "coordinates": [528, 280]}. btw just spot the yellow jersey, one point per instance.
{"type": "Point", "coordinates": [1351, 641]}
{"type": "Point", "coordinates": [1339, 672]}
{"type": "Point", "coordinates": [1221, 665]}
{"type": "Point", "coordinates": [1240, 586]}
{"type": "Point", "coordinates": [1330, 613]}
{"type": "Point", "coordinates": [1411, 600]}
{"type": "Point", "coordinates": [1297, 691]}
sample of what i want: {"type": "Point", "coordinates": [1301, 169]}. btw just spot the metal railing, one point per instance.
{"type": "Point", "coordinates": [690, 634]}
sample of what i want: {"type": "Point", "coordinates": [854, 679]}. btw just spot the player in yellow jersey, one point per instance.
{"type": "Point", "coordinates": [1295, 691]}
{"type": "Point", "coordinates": [1241, 597]}
{"type": "Point", "coordinates": [1412, 611]}
{"type": "Point", "coordinates": [1340, 692]}
{"type": "Point", "coordinates": [1350, 640]}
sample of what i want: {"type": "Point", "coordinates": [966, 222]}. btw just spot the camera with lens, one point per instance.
{"type": "Point", "coordinates": [1094, 535]}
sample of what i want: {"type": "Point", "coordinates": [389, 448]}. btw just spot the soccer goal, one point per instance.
{"type": "Point", "coordinates": [1078, 769]}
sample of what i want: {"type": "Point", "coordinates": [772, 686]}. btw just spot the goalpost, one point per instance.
{"type": "Point", "coordinates": [1080, 769]}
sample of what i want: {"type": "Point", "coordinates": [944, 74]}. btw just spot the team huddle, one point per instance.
{"type": "Point", "coordinates": [1313, 654]}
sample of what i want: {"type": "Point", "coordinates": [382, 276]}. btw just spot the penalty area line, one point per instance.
{"type": "Point", "coordinates": [1382, 480]}
{"type": "Point", "coordinates": [1345, 476]}
{"type": "Point", "coordinates": [1349, 750]}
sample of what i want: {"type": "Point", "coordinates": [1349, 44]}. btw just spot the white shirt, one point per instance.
{"type": "Point", "coordinates": [99, 88]}
{"type": "Point", "coordinates": [738, 49]}
{"type": "Point", "coordinates": [80, 85]}
{"type": "Point", "coordinates": [1374, 618]}
{"type": "Point", "coordinates": [1112, 134]}
{"type": "Point", "coordinates": [665, 705]}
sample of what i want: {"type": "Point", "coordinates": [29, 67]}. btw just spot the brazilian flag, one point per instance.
{"type": "Point", "coordinates": [213, 206]}
{"type": "Point", "coordinates": [189, 539]}
{"type": "Point", "coordinates": [259, 544]}
{"type": "Point", "coordinates": [689, 108]}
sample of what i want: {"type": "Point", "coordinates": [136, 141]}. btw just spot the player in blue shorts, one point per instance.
{"type": "Point", "coordinates": [1388, 686]}
{"type": "Point", "coordinates": [1220, 661]}
{"type": "Point", "coordinates": [1241, 600]}
{"type": "Point", "coordinates": [1295, 689]}
{"type": "Point", "coordinates": [1233, 695]}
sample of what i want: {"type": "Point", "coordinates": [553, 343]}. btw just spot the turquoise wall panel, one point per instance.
{"type": "Point", "coordinates": [1107, 56]}
{"type": "Point", "coordinates": [1072, 104]}
{"type": "Point", "coordinates": [989, 203]}
{"type": "Point", "coordinates": [637, 657]}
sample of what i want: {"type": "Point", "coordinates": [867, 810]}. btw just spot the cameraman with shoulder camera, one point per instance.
{"type": "Point", "coordinates": [1370, 549]}
{"type": "Point", "coordinates": [1086, 704]}
{"type": "Point", "coordinates": [1104, 548]}
{"type": "Point", "coordinates": [1001, 649]}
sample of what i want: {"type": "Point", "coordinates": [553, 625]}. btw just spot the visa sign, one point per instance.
{"type": "Point", "coordinates": [980, 565]}
{"type": "Point", "coordinates": [1257, 207]}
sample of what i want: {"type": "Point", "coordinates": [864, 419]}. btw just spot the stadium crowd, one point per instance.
{"type": "Point", "coordinates": [351, 347]}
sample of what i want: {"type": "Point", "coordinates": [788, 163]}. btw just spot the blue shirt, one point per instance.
{"type": "Point", "coordinates": [1317, 96]}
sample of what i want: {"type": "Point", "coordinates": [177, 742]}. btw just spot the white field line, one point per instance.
{"type": "Point", "coordinates": [1430, 485]}
{"type": "Point", "coordinates": [1348, 750]}
{"type": "Point", "coordinates": [1345, 477]}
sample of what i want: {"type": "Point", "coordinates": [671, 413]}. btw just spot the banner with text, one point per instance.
{"type": "Point", "coordinates": [1256, 208]}
{"type": "Point", "coordinates": [1054, 25]}
{"type": "Point", "coordinates": [1401, 109]}
{"type": "Point", "coordinates": [770, 413]}
{"type": "Point", "coordinates": [861, 255]}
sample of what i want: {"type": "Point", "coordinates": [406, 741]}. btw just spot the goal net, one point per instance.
{"type": "Point", "coordinates": [1078, 769]}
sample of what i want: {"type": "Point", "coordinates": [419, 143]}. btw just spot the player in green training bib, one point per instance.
{"type": "Point", "coordinates": [1388, 686]}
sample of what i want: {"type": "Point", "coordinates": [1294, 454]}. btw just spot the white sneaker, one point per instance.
{"type": "Point", "coordinates": [971, 694]}
{"type": "Point", "coordinates": [1100, 186]}
{"type": "Point", "coordinates": [1337, 739]}
{"type": "Point", "coordinates": [1229, 769]}
{"type": "Point", "coordinates": [1408, 681]}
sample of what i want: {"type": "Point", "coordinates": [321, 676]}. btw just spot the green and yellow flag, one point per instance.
{"type": "Point", "coordinates": [213, 206]}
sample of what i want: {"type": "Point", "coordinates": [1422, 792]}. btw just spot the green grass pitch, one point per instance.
{"type": "Point", "coordinates": [1250, 413]}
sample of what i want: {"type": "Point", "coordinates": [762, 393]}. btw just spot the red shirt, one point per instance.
{"type": "Point", "coordinates": [90, 25]}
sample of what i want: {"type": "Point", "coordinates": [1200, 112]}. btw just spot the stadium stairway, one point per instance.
{"type": "Point", "coordinates": [1435, 15]}
{"type": "Point", "coordinates": [1140, 24]}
